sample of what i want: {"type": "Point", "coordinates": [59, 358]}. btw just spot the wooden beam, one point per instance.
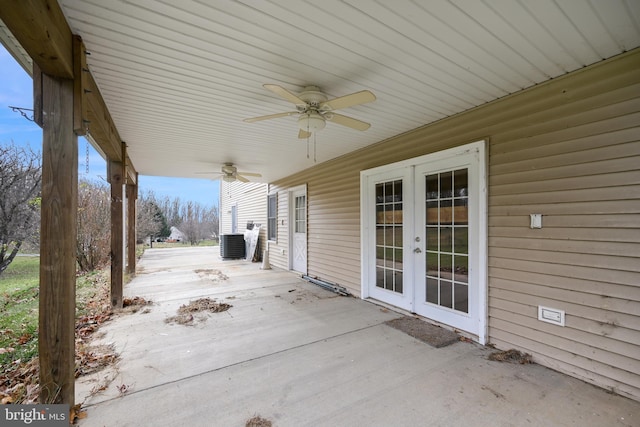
{"type": "Point", "coordinates": [101, 126]}
{"type": "Point", "coordinates": [58, 236]}
{"type": "Point", "coordinates": [42, 30]}
{"type": "Point", "coordinates": [81, 72]}
{"type": "Point", "coordinates": [132, 196]}
{"type": "Point", "coordinates": [116, 178]}
{"type": "Point", "coordinates": [132, 174]}
{"type": "Point", "coordinates": [37, 95]}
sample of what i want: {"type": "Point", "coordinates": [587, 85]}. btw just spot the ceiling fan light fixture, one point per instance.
{"type": "Point", "coordinates": [228, 178]}
{"type": "Point", "coordinates": [311, 122]}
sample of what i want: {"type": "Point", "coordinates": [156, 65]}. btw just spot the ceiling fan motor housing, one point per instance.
{"type": "Point", "coordinates": [312, 96]}
{"type": "Point", "coordinates": [228, 169]}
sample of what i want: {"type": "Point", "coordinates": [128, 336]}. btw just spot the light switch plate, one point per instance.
{"type": "Point", "coordinates": [536, 220]}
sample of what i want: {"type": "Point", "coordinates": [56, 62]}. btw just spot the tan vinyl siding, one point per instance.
{"type": "Point", "coordinates": [583, 175]}
{"type": "Point", "coordinates": [568, 149]}
{"type": "Point", "coordinates": [251, 202]}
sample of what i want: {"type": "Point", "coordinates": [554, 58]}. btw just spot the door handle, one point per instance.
{"type": "Point", "coordinates": [417, 250]}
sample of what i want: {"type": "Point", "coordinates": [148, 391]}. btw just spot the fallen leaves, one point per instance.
{"type": "Point", "coordinates": [185, 312]}
{"type": "Point", "coordinates": [123, 389]}
{"type": "Point", "coordinates": [258, 421]}
{"type": "Point", "coordinates": [134, 304]}
{"type": "Point", "coordinates": [91, 359]}
{"type": "Point", "coordinates": [212, 274]}
{"type": "Point", "coordinates": [204, 304]}
{"type": "Point", "coordinates": [512, 356]}
{"type": "Point", "coordinates": [76, 413]}
{"type": "Point", "coordinates": [88, 324]}
{"type": "Point", "coordinates": [19, 380]}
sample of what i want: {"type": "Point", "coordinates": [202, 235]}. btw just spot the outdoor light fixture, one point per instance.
{"type": "Point", "coordinates": [311, 122]}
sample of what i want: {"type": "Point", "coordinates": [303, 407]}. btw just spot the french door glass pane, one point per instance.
{"type": "Point", "coordinates": [447, 235]}
{"type": "Point", "coordinates": [389, 241]}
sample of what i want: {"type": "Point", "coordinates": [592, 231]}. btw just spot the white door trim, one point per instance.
{"type": "Point", "coordinates": [292, 193]}
{"type": "Point", "coordinates": [367, 232]}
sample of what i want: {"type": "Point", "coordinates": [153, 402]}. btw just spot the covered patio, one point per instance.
{"type": "Point", "coordinates": [189, 90]}
{"type": "Point", "coordinates": [297, 354]}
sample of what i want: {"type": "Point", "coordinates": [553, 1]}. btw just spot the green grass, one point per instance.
{"type": "Point", "coordinates": [19, 287]}
{"type": "Point", "coordinates": [89, 289]}
{"type": "Point", "coordinates": [19, 292]}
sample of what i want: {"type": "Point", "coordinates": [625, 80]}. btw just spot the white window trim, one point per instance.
{"type": "Point", "coordinates": [269, 195]}
{"type": "Point", "coordinates": [291, 220]}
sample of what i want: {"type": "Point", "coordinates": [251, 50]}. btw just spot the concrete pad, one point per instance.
{"type": "Point", "coordinates": [299, 355]}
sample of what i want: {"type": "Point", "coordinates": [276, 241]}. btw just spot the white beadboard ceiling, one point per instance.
{"type": "Point", "coordinates": [179, 77]}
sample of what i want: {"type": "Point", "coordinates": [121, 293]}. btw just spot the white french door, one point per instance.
{"type": "Point", "coordinates": [424, 237]}
{"type": "Point", "coordinates": [389, 220]}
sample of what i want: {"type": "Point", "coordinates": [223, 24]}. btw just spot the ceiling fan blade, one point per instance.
{"type": "Point", "coordinates": [348, 121]}
{"type": "Point", "coordinates": [279, 90]}
{"type": "Point", "coordinates": [357, 98]}
{"type": "Point", "coordinates": [249, 174]}
{"type": "Point", "coordinates": [241, 178]}
{"type": "Point", "coordinates": [303, 134]}
{"type": "Point", "coordinates": [270, 116]}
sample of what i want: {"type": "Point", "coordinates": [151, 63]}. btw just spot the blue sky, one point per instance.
{"type": "Point", "coordinates": [16, 91]}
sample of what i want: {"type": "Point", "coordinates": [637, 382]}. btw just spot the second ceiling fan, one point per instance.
{"type": "Point", "coordinates": [314, 109]}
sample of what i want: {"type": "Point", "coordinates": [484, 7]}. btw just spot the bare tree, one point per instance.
{"type": "Point", "coordinates": [198, 222]}
{"type": "Point", "coordinates": [151, 220]}
{"type": "Point", "coordinates": [156, 216]}
{"type": "Point", "coordinates": [172, 210]}
{"type": "Point", "coordinates": [191, 213]}
{"type": "Point", "coordinates": [94, 219]}
{"type": "Point", "coordinates": [20, 181]}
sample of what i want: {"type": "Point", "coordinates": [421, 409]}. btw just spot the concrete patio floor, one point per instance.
{"type": "Point", "coordinates": [298, 355]}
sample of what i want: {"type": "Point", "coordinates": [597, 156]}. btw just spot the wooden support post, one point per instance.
{"type": "Point", "coordinates": [58, 235]}
{"type": "Point", "coordinates": [116, 178]}
{"type": "Point", "coordinates": [132, 196]}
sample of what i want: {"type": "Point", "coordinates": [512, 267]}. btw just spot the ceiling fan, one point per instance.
{"type": "Point", "coordinates": [314, 109]}
{"type": "Point", "coordinates": [229, 173]}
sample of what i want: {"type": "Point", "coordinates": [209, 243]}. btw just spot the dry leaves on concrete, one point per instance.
{"type": "Point", "coordinates": [212, 274]}
{"type": "Point", "coordinates": [90, 359]}
{"type": "Point", "coordinates": [512, 356]}
{"type": "Point", "coordinates": [88, 324]}
{"type": "Point", "coordinates": [186, 312]}
{"type": "Point", "coordinates": [258, 421]}
{"type": "Point", "coordinates": [134, 304]}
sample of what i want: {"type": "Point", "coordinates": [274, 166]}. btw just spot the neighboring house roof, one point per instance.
{"type": "Point", "coordinates": [176, 234]}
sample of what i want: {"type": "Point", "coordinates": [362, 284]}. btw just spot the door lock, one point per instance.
{"type": "Point", "coordinates": [417, 238]}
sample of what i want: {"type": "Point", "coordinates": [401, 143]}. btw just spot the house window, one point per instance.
{"type": "Point", "coordinates": [301, 214]}
{"type": "Point", "coordinates": [272, 213]}
{"type": "Point", "coordinates": [234, 218]}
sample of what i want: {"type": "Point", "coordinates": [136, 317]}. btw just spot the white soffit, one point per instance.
{"type": "Point", "coordinates": [179, 77]}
